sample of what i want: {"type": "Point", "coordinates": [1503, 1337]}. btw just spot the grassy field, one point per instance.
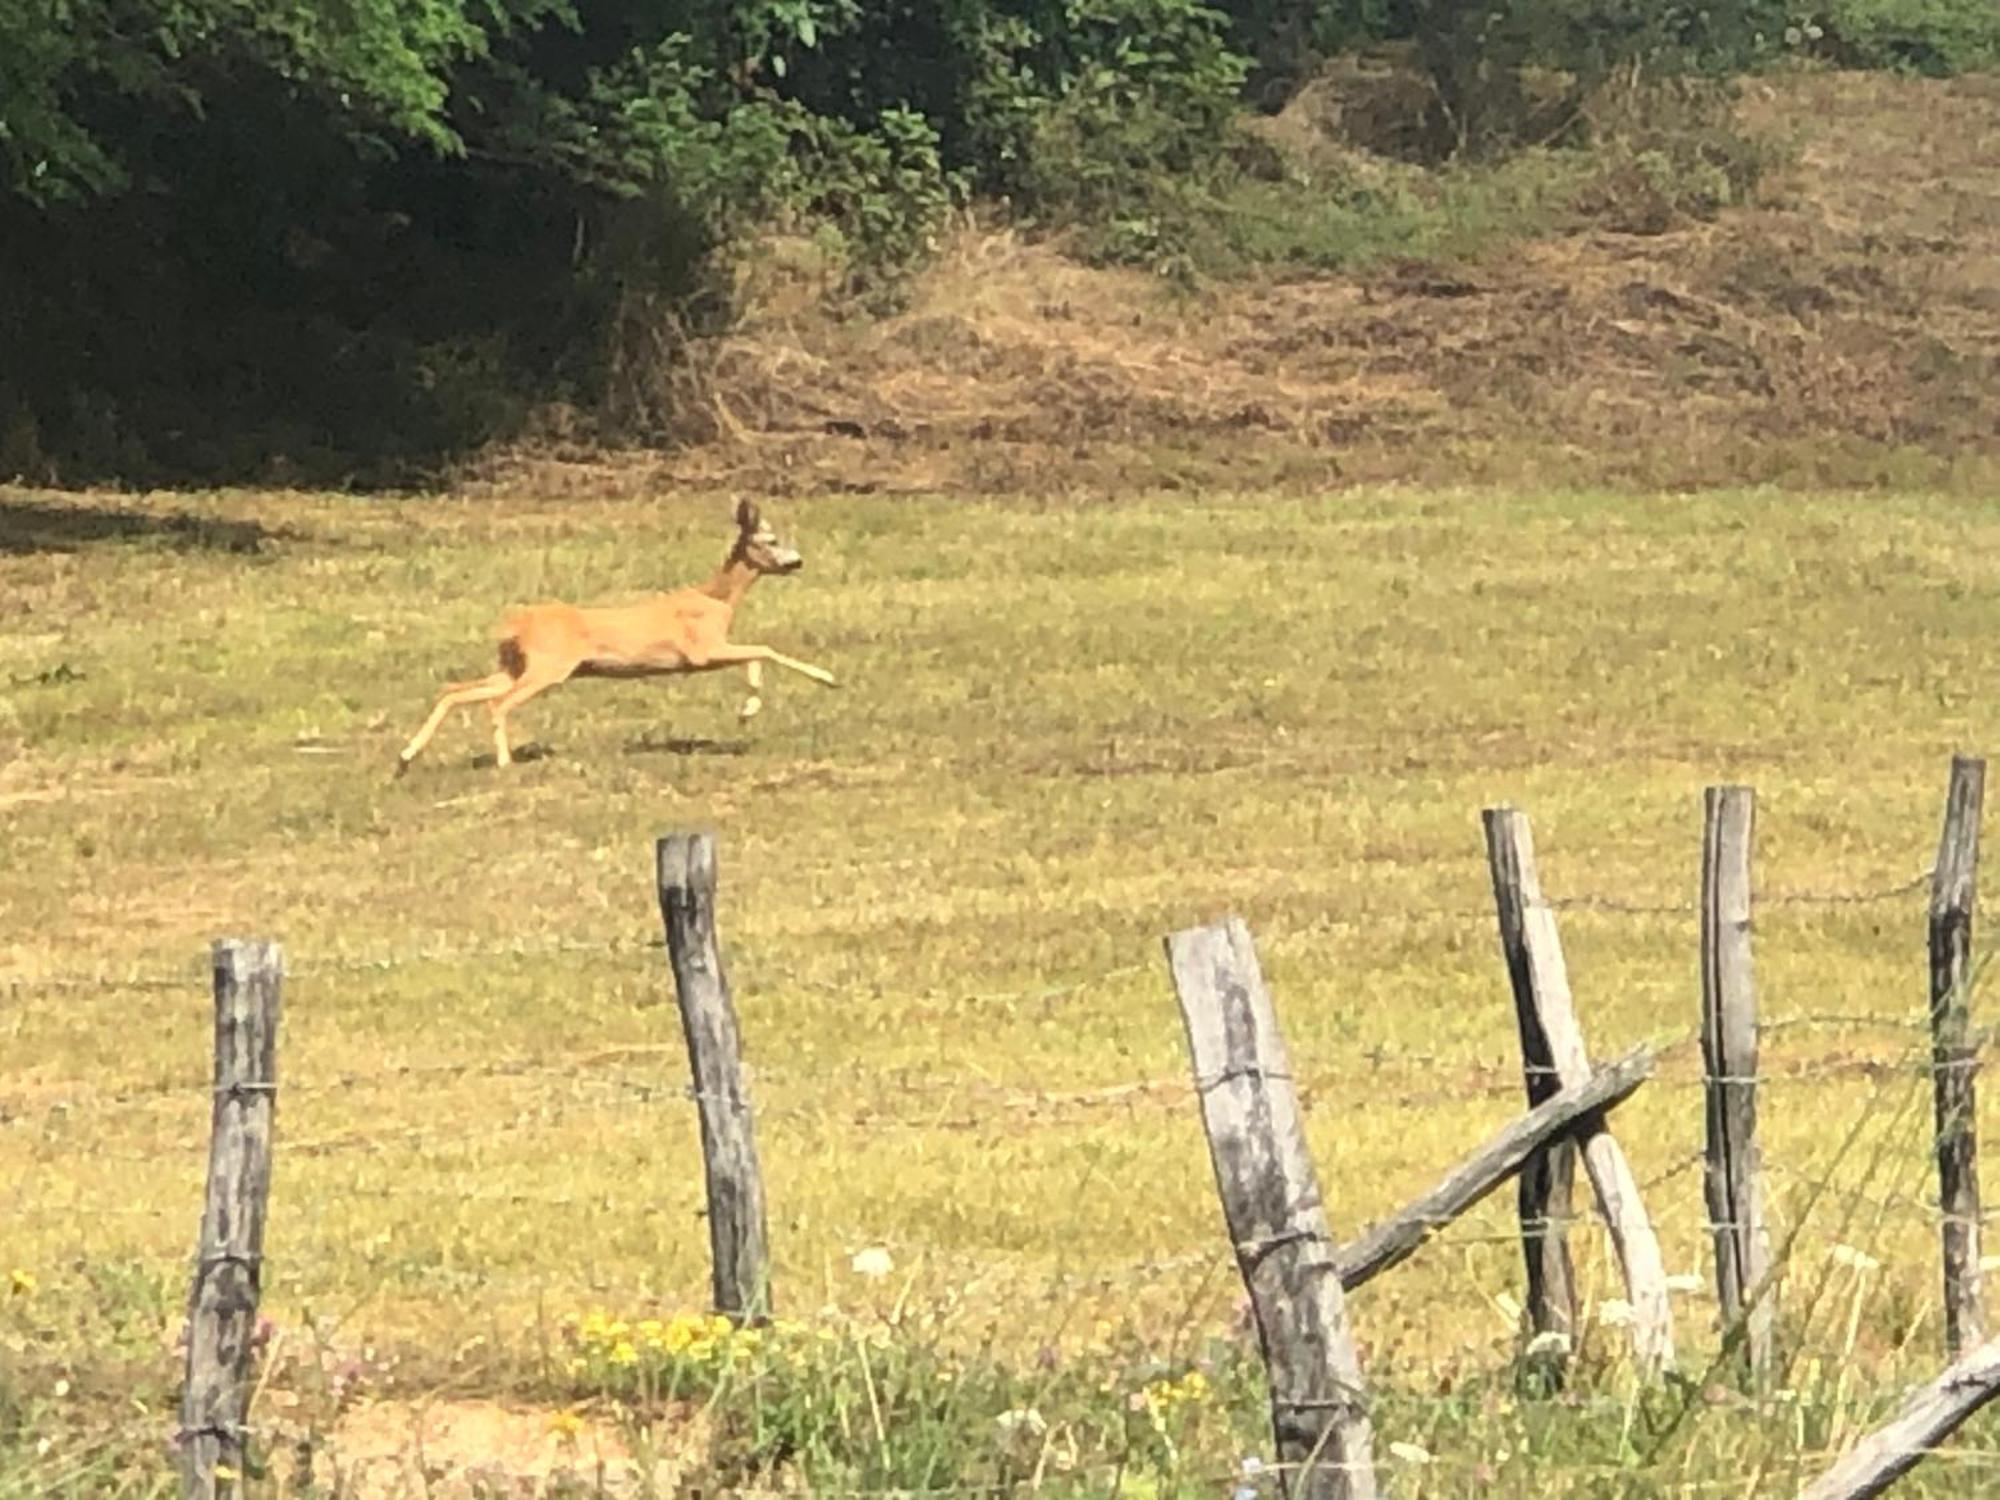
{"type": "Point", "coordinates": [1063, 730]}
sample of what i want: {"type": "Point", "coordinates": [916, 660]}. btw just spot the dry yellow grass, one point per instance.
{"type": "Point", "coordinates": [1066, 730]}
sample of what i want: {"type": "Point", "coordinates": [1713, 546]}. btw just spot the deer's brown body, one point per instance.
{"type": "Point", "coordinates": [684, 631]}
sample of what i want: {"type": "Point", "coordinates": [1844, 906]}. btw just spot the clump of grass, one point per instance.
{"type": "Point", "coordinates": [854, 1403]}
{"type": "Point", "coordinates": [1664, 152]}
{"type": "Point", "coordinates": [1639, 155]}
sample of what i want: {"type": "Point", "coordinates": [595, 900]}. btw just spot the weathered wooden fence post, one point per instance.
{"type": "Point", "coordinates": [1554, 1057]}
{"type": "Point", "coordinates": [1277, 1218]}
{"type": "Point", "coordinates": [1733, 1183]}
{"type": "Point", "coordinates": [738, 1234]}
{"type": "Point", "coordinates": [1927, 1418]}
{"type": "Point", "coordinates": [1954, 1054]}
{"type": "Point", "coordinates": [229, 1262]}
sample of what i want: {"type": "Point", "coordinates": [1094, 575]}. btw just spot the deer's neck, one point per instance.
{"type": "Point", "coordinates": [731, 581]}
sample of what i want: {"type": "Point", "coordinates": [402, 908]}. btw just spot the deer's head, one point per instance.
{"type": "Point", "coordinates": [759, 546]}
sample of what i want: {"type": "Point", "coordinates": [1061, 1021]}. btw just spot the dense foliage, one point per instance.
{"type": "Point", "coordinates": [238, 232]}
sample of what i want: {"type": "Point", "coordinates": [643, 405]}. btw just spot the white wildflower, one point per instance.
{"type": "Point", "coordinates": [1614, 1312]}
{"type": "Point", "coordinates": [1022, 1419]}
{"type": "Point", "coordinates": [1410, 1453]}
{"type": "Point", "coordinates": [1549, 1341]}
{"type": "Point", "coordinates": [874, 1262]}
{"type": "Point", "coordinates": [1859, 1260]}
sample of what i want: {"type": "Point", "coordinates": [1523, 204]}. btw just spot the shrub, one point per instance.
{"type": "Point", "coordinates": [1664, 152]}
{"type": "Point", "coordinates": [1927, 36]}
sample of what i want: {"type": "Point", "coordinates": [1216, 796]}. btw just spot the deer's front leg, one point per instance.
{"type": "Point", "coordinates": [753, 677]}
{"type": "Point", "coordinates": [732, 655]}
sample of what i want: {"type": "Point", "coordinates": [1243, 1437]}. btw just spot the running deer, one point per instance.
{"type": "Point", "coordinates": [685, 631]}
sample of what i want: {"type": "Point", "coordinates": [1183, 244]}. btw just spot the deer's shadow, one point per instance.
{"type": "Point", "coordinates": [680, 744]}
{"type": "Point", "coordinates": [523, 755]}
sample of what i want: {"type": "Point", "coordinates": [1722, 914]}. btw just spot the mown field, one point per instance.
{"type": "Point", "coordinates": [1063, 730]}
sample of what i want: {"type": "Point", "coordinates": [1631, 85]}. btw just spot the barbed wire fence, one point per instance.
{"type": "Point", "coordinates": [557, 1087]}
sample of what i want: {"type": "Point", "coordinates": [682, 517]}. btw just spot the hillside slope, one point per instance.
{"type": "Point", "coordinates": [1847, 333]}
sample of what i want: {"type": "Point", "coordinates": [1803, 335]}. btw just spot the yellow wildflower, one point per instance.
{"type": "Point", "coordinates": [566, 1425]}
{"type": "Point", "coordinates": [1164, 1395]}
{"type": "Point", "coordinates": [20, 1283]}
{"type": "Point", "coordinates": [622, 1353]}
{"type": "Point", "coordinates": [226, 1474]}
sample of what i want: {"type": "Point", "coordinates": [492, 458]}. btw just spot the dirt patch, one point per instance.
{"type": "Point", "coordinates": [1851, 335]}
{"type": "Point", "coordinates": [480, 1450]}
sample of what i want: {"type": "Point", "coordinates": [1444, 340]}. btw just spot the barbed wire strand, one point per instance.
{"type": "Point", "coordinates": [332, 964]}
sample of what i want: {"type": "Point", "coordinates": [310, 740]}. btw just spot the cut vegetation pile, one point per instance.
{"type": "Point", "coordinates": [1845, 331]}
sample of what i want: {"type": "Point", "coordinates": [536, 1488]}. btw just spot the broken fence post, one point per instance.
{"type": "Point", "coordinates": [229, 1263]}
{"type": "Point", "coordinates": [1554, 1056]}
{"type": "Point", "coordinates": [739, 1237]}
{"type": "Point", "coordinates": [1277, 1218]}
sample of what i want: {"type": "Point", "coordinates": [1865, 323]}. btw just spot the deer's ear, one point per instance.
{"type": "Point", "coordinates": [746, 515]}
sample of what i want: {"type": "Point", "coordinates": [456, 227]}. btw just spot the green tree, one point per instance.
{"type": "Point", "coordinates": [78, 76]}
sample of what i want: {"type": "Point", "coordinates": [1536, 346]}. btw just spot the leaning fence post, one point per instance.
{"type": "Point", "coordinates": [1546, 1187]}
{"type": "Point", "coordinates": [1277, 1218]}
{"type": "Point", "coordinates": [737, 1230]}
{"type": "Point", "coordinates": [1399, 1236]}
{"type": "Point", "coordinates": [1732, 1183]}
{"type": "Point", "coordinates": [1927, 1418]}
{"type": "Point", "coordinates": [1554, 1057]}
{"type": "Point", "coordinates": [1954, 1055]}
{"type": "Point", "coordinates": [229, 1263]}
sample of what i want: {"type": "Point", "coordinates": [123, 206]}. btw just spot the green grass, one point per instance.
{"type": "Point", "coordinates": [1336, 220]}
{"type": "Point", "coordinates": [1063, 731]}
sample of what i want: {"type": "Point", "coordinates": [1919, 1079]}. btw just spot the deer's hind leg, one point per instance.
{"type": "Point", "coordinates": [536, 679]}
{"type": "Point", "coordinates": [458, 695]}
